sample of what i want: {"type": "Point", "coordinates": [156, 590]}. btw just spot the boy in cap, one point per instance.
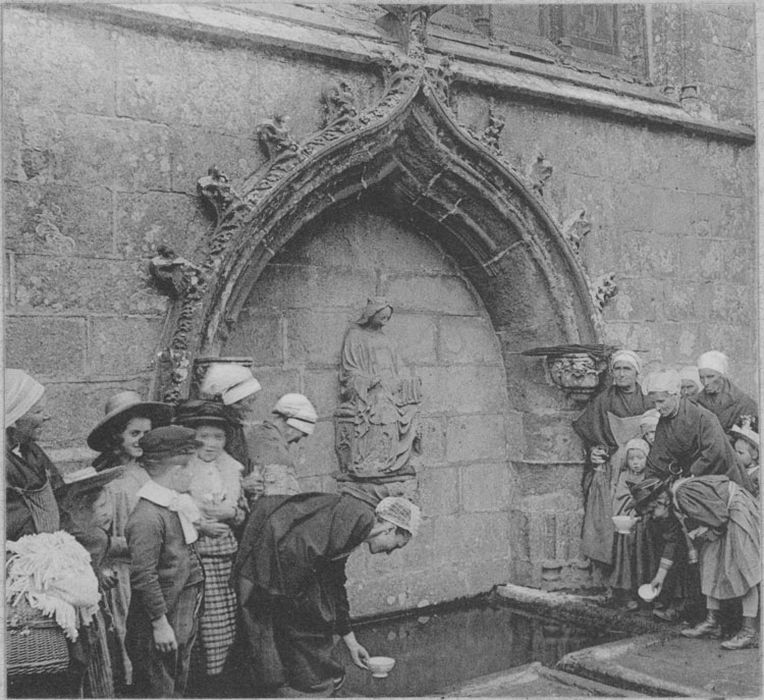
{"type": "Point", "coordinates": [290, 579]}
{"type": "Point", "coordinates": [166, 574]}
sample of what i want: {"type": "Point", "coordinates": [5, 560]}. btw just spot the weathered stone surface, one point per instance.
{"type": "Point", "coordinates": [472, 438]}
{"type": "Point", "coordinates": [120, 154]}
{"type": "Point", "coordinates": [439, 488]}
{"type": "Point", "coordinates": [462, 389]}
{"type": "Point", "coordinates": [448, 295]}
{"type": "Point", "coordinates": [61, 352]}
{"type": "Point", "coordinates": [287, 286]}
{"type": "Point", "coordinates": [75, 283]}
{"type": "Point", "coordinates": [467, 340]}
{"type": "Point", "coordinates": [415, 336]}
{"type": "Point", "coordinates": [366, 239]}
{"type": "Point", "coordinates": [55, 219]}
{"type": "Point", "coordinates": [433, 430]}
{"type": "Point", "coordinates": [486, 487]}
{"type": "Point", "coordinates": [550, 438]}
{"type": "Point", "coordinates": [84, 77]}
{"type": "Point", "coordinates": [258, 335]}
{"type": "Point", "coordinates": [123, 346]}
{"type": "Point", "coordinates": [144, 221]}
{"type": "Point", "coordinates": [316, 452]}
{"type": "Point", "coordinates": [75, 408]}
{"type": "Point", "coordinates": [535, 479]}
{"type": "Point", "coordinates": [314, 338]}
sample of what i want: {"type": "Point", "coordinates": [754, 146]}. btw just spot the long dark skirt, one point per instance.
{"type": "Point", "coordinates": [633, 558]}
{"type": "Point", "coordinates": [287, 647]}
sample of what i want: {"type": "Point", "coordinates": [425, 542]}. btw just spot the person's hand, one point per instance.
{"type": "Point", "coordinates": [219, 511]}
{"type": "Point", "coordinates": [164, 635]}
{"type": "Point", "coordinates": [358, 653]}
{"type": "Point", "coordinates": [657, 582]}
{"type": "Point", "coordinates": [598, 454]}
{"type": "Point", "coordinates": [253, 484]}
{"type": "Point", "coordinates": [108, 577]}
{"type": "Point", "coordinates": [211, 528]}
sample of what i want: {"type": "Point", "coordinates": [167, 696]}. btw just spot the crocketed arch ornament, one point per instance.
{"type": "Point", "coordinates": [451, 183]}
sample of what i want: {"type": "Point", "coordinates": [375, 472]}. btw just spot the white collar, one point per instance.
{"type": "Point", "coordinates": [181, 503]}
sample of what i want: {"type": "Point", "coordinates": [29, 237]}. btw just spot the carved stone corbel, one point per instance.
{"type": "Point", "coordinates": [173, 275]}
{"type": "Point", "coordinates": [576, 369]}
{"type": "Point", "coordinates": [575, 228]}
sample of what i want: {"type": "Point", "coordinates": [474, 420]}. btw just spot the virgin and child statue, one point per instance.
{"type": "Point", "coordinates": [376, 426]}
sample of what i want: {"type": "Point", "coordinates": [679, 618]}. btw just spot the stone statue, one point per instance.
{"type": "Point", "coordinates": [376, 429]}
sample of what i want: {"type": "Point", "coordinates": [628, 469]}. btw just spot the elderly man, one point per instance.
{"type": "Point", "coordinates": [720, 396]}
{"type": "Point", "coordinates": [689, 440]}
{"type": "Point", "coordinates": [290, 580]}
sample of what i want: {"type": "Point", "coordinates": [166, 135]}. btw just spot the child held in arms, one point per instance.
{"type": "Point", "coordinates": [216, 490]}
{"type": "Point", "coordinates": [631, 561]}
{"type": "Point", "coordinates": [745, 440]}
{"type": "Point", "coordinates": [166, 573]}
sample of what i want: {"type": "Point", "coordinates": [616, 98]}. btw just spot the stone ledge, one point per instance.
{"type": "Point", "coordinates": [510, 74]}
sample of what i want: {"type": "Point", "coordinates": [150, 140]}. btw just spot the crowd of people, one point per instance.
{"type": "Point", "coordinates": [210, 573]}
{"type": "Point", "coordinates": [671, 487]}
{"type": "Point", "coordinates": [187, 561]}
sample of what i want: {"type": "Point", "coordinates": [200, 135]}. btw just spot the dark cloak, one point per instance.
{"type": "Point", "coordinates": [729, 404]}
{"type": "Point", "coordinates": [693, 443]}
{"type": "Point", "coordinates": [593, 426]}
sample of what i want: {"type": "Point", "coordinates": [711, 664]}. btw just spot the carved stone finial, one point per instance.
{"type": "Point", "coordinates": [440, 79]}
{"type": "Point", "coordinates": [575, 228]}
{"type": "Point", "coordinates": [603, 289]}
{"type": "Point", "coordinates": [539, 173]}
{"type": "Point", "coordinates": [172, 274]}
{"type": "Point", "coordinates": [491, 133]}
{"type": "Point", "coordinates": [577, 374]}
{"type": "Point", "coordinates": [275, 138]}
{"type": "Point", "coordinates": [413, 20]}
{"type": "Point", "coordinates": [339, 103]}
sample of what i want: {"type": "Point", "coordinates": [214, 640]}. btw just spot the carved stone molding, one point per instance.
{"type": "Point", "coordinates": [539, 173]}
{"type": "Point", "coordinates": [411, 146]}
{"type": "Point", "coordinates": [492, 132]}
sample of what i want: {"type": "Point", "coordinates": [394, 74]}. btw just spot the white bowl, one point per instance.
{"type": "Point", "coordinates": [380, 666]}
{"type": "Point", "coordinates": [623, 523]}
{"type": "Point", "coordinates": [647, 592]}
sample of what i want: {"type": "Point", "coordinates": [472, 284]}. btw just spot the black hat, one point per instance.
{"type": "Point", "coordinates": [196, 412]}
{"type": "Point", "coordinates": [646, 490]}
{"type": "Point", "coordinates": [168, 441]}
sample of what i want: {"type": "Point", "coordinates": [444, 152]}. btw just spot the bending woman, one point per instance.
{"type": "Point", "coordinates": [722, 519]}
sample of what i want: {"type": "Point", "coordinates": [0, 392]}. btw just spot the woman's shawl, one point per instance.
{"type": "Point", "coordinates": [287, 539]}
{"type": "Point", "coordinates": [593, 425]}
{"type": "Point", "coordinates": [704, 500]}
{"type": "Point", "coordinates": [728, 405]}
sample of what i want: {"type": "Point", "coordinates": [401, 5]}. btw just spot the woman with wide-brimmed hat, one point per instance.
{"type": "Point", "coordinates": [722, 519]}
{"type": "Point", "coordinates": [127, 418]}
{"type": "Point", "coordinates": [216, 490]}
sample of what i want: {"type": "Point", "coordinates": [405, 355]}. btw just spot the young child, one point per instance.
{"type": "Point", "coordinates": [216, 490]}
{"type": "Point", "coordinates": [745, 440]}
{"type": "Point", "coordinates": [631, 565]}
{"type": "Point", "coordinates": [165, 571]}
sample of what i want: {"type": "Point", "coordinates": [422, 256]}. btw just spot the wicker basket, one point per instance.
{"type": "Point", "coordinates": [33, 643]}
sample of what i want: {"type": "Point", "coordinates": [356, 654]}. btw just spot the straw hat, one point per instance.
{"type": "Point", "coordinates": [126, 404]}
{"type": "Point", "coordinates": [646, 490]}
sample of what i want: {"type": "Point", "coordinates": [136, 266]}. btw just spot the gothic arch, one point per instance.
{"type": "Point", "coordinates": [411, 149]}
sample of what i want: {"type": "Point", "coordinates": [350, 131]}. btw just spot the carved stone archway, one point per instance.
{"type": "Point", "coordinates": [411, 148]}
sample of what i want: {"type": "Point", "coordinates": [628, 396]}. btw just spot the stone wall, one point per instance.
{"type": "Point", "coordinates": [108, 125]}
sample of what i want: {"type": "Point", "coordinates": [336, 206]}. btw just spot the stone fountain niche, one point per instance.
{"type": "Point", "coordinates": [401, 200]}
